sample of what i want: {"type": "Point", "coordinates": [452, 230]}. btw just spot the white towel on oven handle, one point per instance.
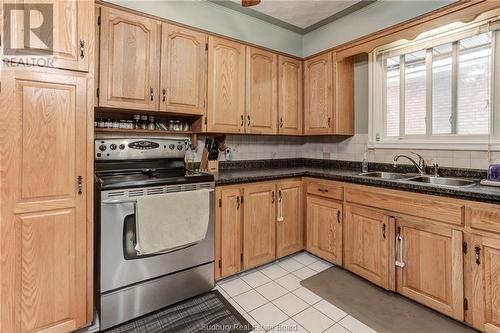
{"type": "Point", "coordinates": [166, 222]}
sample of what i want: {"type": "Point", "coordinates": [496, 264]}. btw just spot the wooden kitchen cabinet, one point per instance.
{"type": "Point", "coordinates": [343, 96]}
{"type": "Point", "coordinates": [289, 217]}
{"type": "Point", "coordinates": [259, 224]}
{"type": "Point", "coordinates": [290, 92]}
{"type": "Point", "coordinates": [483, 257]}
{"type": "Point", "coordinates": [226, 86]}
{"type": "Point", "coordinates": [183, 70]}
{"type": "Point", "coordinates": [229, 231]}
{"type": "Point", "coordinates": [129, 60]}
{"type": "Point", "coordinates": [433, 265]}
{"type": "Point", "coordinates": [367, 240]}
{"type": "Point", "coordinates": [324, 228]}
{"type": "Point", "coordinates": [43, 204]}
{"type": "Point", "coordinates": [261, 98]}
{"type": "Point", "coordinates": [72, 34]}
{"type": "Point", "coordinates": [318, 98]}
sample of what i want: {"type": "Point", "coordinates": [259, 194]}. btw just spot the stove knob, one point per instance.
{"type": "Point", "coordinates": [122, 146]}
{"type": "Point", "coordinates": [112, 147]}
{"type": "Point", "coordinates": [179, 147]}
{"type": "Point", "coordinates": [171, 146]}
{"type": "Point", "coordinates": [102, 147]}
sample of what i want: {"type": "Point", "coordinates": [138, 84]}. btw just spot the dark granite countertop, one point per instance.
{"type": "Point", "coordinates": [245, 172]}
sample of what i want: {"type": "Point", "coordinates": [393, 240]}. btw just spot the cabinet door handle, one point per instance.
{"type": "Point", "coordinates": [399, 249]}
{"type": "Point", "coordinates": [272, 197]}
{"type": "Point", "coordinates": [79, 180]}
{"type": "Point", "coordinates": [384, 227]}
{"type": "Point", "coordinates": [151, 94]}
{"type": "Point", "coordinates": [329, 122]}
{"type": "Point", "coordinates": [477, 253]}
{"type": "Point", "coordinates": [248, 123]}
{"type": "Point", "coordinates": [164, 93]}
{"type": "Point", "coordinates": [281, 122]}
{"type": "Point", "coordinates": [82, 48]}
{"type": "Point", "coordinates": [338, 216]}
{"type": "Point", "coordinates": [237, 203]}
{"type": "Point", "coordinates": [242, 121]}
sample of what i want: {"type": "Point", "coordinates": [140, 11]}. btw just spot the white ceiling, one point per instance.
{"type": "Point", "coordinates": [302, 13]}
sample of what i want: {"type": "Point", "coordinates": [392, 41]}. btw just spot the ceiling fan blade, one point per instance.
{"type": "Point", "coordinates": [249, 3]}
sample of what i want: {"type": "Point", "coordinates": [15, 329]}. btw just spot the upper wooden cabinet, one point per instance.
{"type": "Point", "coordinates": [432, 269]}
{"type": "Point", "coordinates": [43, 203]}
{"type": "Point", "coordinates": [289, 227]}
{"type": "Point", "coordinates": [289, 96]}
{"type": "Point", "coordinates": [226, 86]}
{"type": "Point", "coordinates": [367, 240]}
{"type": "Point", "coordinates": [129, 61]}
{"type": "Point", "coordinates": [318, 98]}
{"type": "Point", "coordinates": [261, 91]}
{"type": "Point", "coordinates": [324, 228]}
{"type": "Point", "coordinates": [183, 70]}
{"type": "Point", "coordinates": [72, 34]}
{"type": "Point", "coordinates": [259, 224]}
{"type": "Point", "coordinates": [328, 95]}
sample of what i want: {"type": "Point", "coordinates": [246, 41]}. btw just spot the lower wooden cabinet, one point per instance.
{"type": "Point", "coordinates": [430, 269]}
{"type": "Point", "coordinates": [367, 243]}
{"type": "Point", "coordinates": [259, 224]}
{"type": "Point", "coordinates": [289, 226]}
{"type": "Point", "coordinates": [483, 258]}
{"type": "Point", "coordinates": [324, 228]}
{"type": "Point", "coordinates": [229, 225]}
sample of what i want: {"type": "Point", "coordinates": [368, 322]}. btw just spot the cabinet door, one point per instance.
{"type": "Point", "coordinates": [259, 226]}
{"type": "Point", "coordinates": [318, 95]}
{"type": "Point", "coordinates": [261, 91]}
{"type": "Point", "coordinates": [183, 70]}
{"type": "Point", "coordinates": [324, 228]}
{"type": "Point", "coordinates": [67, 43]}
{"type": "Point", "coordinates": [43, 207]}
{"type": "Point", "coordinates": [289, 227]}
{"type": "Point", "coordinates": [229, 235]}
{"type": "Point", "coordinates": [343, 96]}
{"type": "Point", "coordinates": [433, 266]}
{"type": "Point", "coordinates": [129, 61]}
{"type": "Point", "coordinates": [367, 239]}
{"type": "Point", "coordinates": [289, 96]}
{"type": "Point", "coordinates": [484, 259]}
{"type": "Point", "coordinates": [226, 86]}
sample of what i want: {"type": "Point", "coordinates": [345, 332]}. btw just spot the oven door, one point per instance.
{"type": "Point", "coordinates": [120, 266]}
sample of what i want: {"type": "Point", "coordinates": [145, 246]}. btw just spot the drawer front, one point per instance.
{"type": "Point", "coordinates": [325, 189]}
{"type": "Point", "coordinates": [485, 217]}
{"type": "Point", "coordinates": [419, 205]}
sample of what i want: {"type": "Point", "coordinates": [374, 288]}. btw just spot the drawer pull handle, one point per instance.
{"type": "Point", "coordinates": [323, 190]}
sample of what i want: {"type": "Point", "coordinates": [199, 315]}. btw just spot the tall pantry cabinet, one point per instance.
{"type": "Point", "coordinates": [46, 179]}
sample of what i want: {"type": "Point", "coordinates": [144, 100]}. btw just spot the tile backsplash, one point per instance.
{"type": "Point", "coordinates": [250, 147]}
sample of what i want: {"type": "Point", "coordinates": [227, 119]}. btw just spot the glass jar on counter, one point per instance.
{"type": "Point", "coordinates": [151, 125]}
{"type": "Point", "coordinates": [144, 122]}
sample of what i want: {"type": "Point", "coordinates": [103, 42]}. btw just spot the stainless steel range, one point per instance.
{"type": "Point", "coordinates": [132, 285]}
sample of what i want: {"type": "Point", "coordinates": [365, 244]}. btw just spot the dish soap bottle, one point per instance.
{"type": "Point", "coordinates": [364, 165]}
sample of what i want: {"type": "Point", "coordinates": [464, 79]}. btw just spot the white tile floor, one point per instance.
{"type": "Point", "coordinates": [271, 298]}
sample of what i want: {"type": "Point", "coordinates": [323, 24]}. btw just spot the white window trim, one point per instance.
{"type": "Point", "coordinates": [376, 98]}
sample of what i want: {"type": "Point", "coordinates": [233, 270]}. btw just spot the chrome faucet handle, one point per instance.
{"type": "Point", "coordinates": [421, 160]}
{"type": "Point", "coordinates": [436, 169]}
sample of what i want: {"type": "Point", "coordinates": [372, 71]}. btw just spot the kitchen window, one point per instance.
{"type": "Point", "coordinates": [436, 91]}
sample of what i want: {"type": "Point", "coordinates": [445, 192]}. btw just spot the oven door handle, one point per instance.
{"type": "Point", "coordinates": [119, 201]}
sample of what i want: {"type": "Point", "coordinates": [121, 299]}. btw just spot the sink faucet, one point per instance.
{"type": "Point", "coordinates": [420, 165]}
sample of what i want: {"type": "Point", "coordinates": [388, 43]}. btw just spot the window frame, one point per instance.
{"type": "Point", "coordinates": [377, 115]}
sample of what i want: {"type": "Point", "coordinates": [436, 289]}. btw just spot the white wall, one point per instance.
{"type": "Point", "coordinates": [208, 16]}
{"type": "Point", "coordinates": [379, 15]}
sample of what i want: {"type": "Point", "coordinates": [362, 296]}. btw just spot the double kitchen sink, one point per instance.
{"type": "Point", "coordinates": [423, 179]}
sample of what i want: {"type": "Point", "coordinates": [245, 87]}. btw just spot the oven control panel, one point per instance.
{"type": "Point", "coordinates": [140, 148]}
